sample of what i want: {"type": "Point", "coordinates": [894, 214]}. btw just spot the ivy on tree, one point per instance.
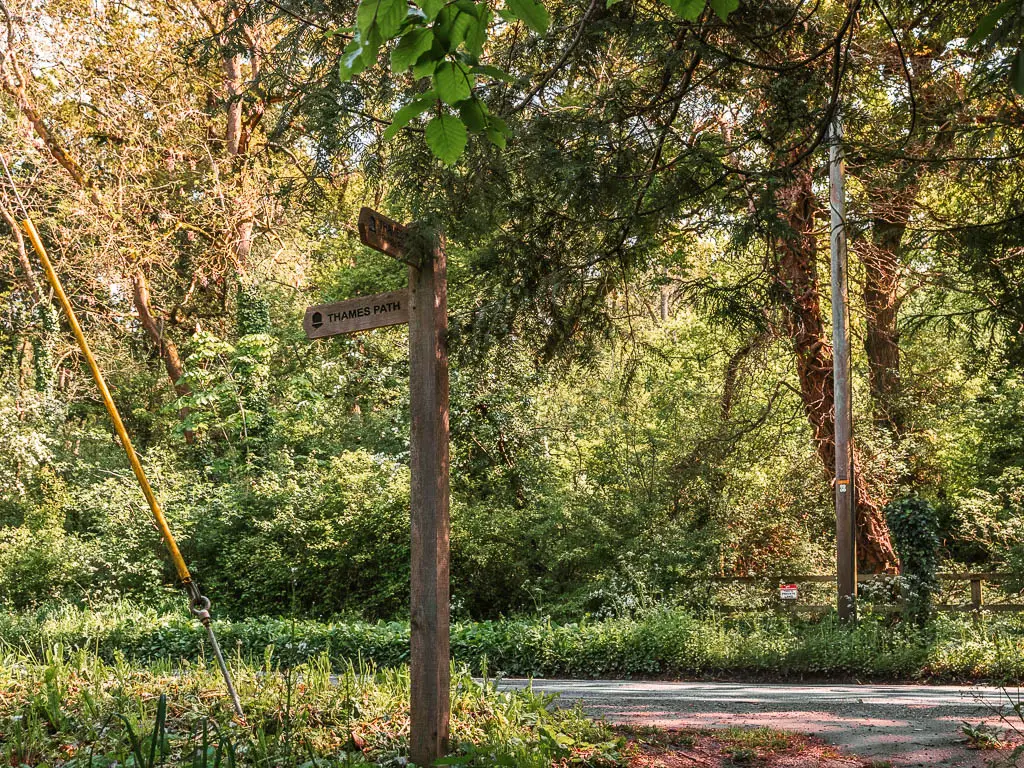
{"type": "Point", "coordinates": [914, 528]}
{"type": "Point", "coordinates": [443, 42]}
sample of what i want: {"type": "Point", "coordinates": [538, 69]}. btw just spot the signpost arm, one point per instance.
{"type": "Point", "coordinates": [428, 384]}
{"type": "Point", "coordinates": [846, 540]}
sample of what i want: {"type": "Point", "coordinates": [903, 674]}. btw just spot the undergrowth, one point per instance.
{"type": "Point", "coordinates": [667, 643]}
{"type": "Point", "coordinates": [78, 711]}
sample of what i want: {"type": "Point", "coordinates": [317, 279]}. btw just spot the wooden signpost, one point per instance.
{"type": "Point", "coordinates": [357, 314]}
{"type": "Point", "coordinates": [424, 305]}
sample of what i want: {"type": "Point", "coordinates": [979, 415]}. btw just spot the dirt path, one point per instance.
{"type": "Point", "coordinates": [909, 725]}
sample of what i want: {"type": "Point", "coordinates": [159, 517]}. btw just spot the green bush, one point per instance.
{"type": "Point", "coordinates": [317, 539]}
{"type": "Point", "coordinates": [37, 563]}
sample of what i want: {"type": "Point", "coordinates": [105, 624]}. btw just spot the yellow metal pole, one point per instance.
{"type": "Point", "coordinates": [115, 416]}
{"type": "Point", "coordinates": [200, 605]}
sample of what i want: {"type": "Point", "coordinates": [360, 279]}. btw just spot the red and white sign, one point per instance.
{"type": "Point", "coordinates": [788, 591]}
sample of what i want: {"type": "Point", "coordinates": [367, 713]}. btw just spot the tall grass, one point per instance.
{"type": "Point", "coordinates": [75, 709]}
{"type": "Point", "coordinates": [667, 643]}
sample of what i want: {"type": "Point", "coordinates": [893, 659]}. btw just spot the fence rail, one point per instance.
{"type": "Point", "coordinates": [976, 604]}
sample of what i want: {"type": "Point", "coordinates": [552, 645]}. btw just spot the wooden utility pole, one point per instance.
{"type": "Point", "coordinates": [846, 538]}
{"type": "Point", "coordinates": [424, 305]}
{"type": "Point", "coordinates": [429, 667]}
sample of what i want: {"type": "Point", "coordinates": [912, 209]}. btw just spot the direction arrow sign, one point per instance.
{"type": "Point", "coordinates": [357, 314]}
{"type": "Point", "coordinates": [381, 233]}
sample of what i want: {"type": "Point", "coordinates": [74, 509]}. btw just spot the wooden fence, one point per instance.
{"type": "Point", "coordinates": [977, 602]}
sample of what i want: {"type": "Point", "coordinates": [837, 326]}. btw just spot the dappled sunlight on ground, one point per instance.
{"type": "Point", "coordinates": [726, 749]}
{"type": "Point", "coordinates": [906, 725]}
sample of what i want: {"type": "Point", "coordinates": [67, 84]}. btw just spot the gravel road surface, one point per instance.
{"type": "Point", "coordinates": [909, 725]}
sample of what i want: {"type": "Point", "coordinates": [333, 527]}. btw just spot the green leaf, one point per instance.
{"type": "Point", "coordinates": [498, 124]}
{"type": "Point", "coordinates": [431, 7]}
{"type": "Point", "coordinates": [413, 44]}
{"type": "Point", "coordinates": [492, 72]}
{"type": "Point", "coordinates": [687, 9]}
{"type": "Point", "coordinates": [497, 138]}
{"type": "Point", "coordinates": [409, 112]}
{"type": "Point", "coordinates": [453, 82]}
{"type": "Point", "coordinates": [531, 13]}
{"type": "Point", "coordinates": [388, 15]}
{"type": "Point", "coordinates": [352, 60]}
{"type": "Point", "coordinates": [392, 14]}
{"type": "Point", "coordinates": [497, 131]}
{"type": "Point", "coordinates": [610, 3]}
{"type": "Point", "coordinates": [446, 137]}
{"type": "Point", "coordinates": [366, 14]}
{"type": "Point", "coordinates": [427, 64]}
{"type": "Point", "coordinates": [988, 23]}
{"type": "Point", "coordinates": [473, 113]}
{"type": "Point", "coordinates": [371, 47]}
{"type": "Point", "coordinates": [476, 35]}
{"type": "Point", "coordinates": [453, 25]}
{"type": "Point", "coordinates": [724, 7]}
{"type": "Point", "coordinates": [464, 26]}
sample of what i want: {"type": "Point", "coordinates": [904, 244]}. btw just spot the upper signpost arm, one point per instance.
{"type": "Point", "coordinates": [384, 235]}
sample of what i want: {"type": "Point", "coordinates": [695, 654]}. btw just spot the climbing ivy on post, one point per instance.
{"type": "Point", "coordinates": [914, 526]}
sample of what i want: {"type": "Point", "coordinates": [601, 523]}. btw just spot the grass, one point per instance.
{"type": "Point", "coordinates": [648, 747]}
{"type": "Point", "coordinates": [76, 710]}
{"type": "Point", "coordinates": [73, 709]}
{"type": "Point", "coordinates": [745, 745]}
{"type": "Point", "coordinates": [756, 738]}
{"type": "Point", "coordinates": [666, 644]}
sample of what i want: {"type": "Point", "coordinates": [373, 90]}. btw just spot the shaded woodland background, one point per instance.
{"type": "Point", "coordinates": [639, 294]}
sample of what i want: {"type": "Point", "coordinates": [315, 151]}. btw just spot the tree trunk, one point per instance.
{"type": "Point", "coordinates": [796, 279]}
{"type": "Point", "coordinates": [166, 348]}
{"type": "Point", "coordinates": [19, 246]}
{"type": "Point", "coordinates": [237, 132]}
{"type": "Point", "coordinates": [232, 64]}
{"type": "Point", "coordinates": [881, 301]}
{"type": "Point", "coordinates": [732, 372]}
{"type": "Point", "coordinates": [893, 187]}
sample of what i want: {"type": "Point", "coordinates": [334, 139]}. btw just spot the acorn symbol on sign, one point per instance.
{"type": "Point", "coordinates": [317, 320]}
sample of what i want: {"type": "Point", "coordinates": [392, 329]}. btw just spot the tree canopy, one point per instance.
{"type": "Point", "coordinates": [633, 196]}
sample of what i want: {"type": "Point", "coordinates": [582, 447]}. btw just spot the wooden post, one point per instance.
{"type": "Point", "coordinates": [976, 599]}
{"type": "Point", "coordinates": [846, 537]}
{"type": "Point", "coordinates": [425, 308]}
{"type": "Point", "coordinates": [429, 667]}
